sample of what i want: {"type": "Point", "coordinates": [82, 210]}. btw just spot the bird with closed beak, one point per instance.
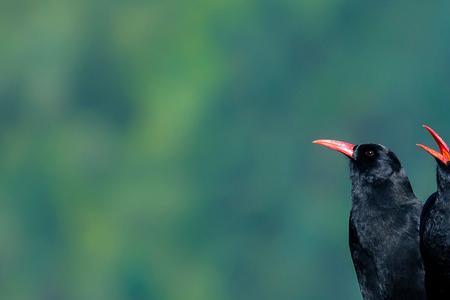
{"type": "Point", "coordinates": [384, 223]}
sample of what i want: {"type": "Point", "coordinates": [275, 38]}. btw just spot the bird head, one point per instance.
{"type": "Point", "coordinates": [443, 155]}
{"type": "Point", "coordinates": [372, 162]}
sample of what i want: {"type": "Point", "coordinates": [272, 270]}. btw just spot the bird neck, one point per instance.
{"type": "Point", "coordinates": [392, 192]}
{"type": "Point", "coordinates": [443, 182]}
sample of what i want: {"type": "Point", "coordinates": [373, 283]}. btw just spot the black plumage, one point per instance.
{"type": "Point", "coordinates": [435, 227]}
{"type": "Point", "coordinates": [384, 225]}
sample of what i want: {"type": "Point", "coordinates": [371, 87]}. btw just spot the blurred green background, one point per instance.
{"type": "Point", "coordinates": [162, 149]}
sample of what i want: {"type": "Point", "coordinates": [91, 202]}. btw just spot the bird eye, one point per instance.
{"type": "Point", "coordinates": [369, 153]}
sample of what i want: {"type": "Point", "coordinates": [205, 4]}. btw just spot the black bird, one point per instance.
{"type": "Point", "coordinates": [435, 226]}
{"type": "Point", "coordinates": [384, 224]}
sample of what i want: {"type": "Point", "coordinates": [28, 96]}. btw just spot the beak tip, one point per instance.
{"type": "Point", "coordinates": [426, 126]}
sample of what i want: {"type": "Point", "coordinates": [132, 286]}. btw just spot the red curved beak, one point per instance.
{"type": "Point", "coordinates": [444, 154]}
{"type": "Point", "coordinates": [340, 146]}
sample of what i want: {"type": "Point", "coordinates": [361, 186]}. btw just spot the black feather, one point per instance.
{"type": "Point", "coordinates": [435, 237]}
{"type": "Point", "coordinates": [384, 227]}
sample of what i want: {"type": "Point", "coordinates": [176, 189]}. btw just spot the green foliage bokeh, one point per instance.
{"type": "Point", "coordinates": [162, 149]}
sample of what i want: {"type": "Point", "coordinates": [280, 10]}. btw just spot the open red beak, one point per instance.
{"type": "Point", "coordinates": [444, 155]}
{"type": "Point", "coordinates": [340, 146]}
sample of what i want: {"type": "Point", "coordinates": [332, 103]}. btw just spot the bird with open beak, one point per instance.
{"type": "Point", "coordinates": [435, 225]}
{"type": "Point", "coordinates": [383, 225]}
